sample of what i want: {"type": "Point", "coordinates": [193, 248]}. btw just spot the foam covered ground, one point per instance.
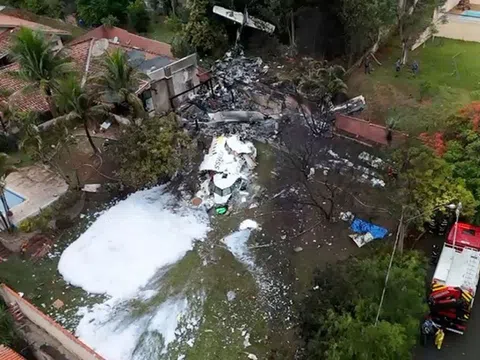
{"type": "Point", "coordinates": [119, 254]}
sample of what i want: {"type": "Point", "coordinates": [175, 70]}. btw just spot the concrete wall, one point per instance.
{"type": "Point", "coordinates": [77, 349]}
{"type": "Point", "coordinates": [161, 96]}
{"type": "Point", "coordinates": [460, 28]}
{"type": "Point", "coordinates": [173, 79]}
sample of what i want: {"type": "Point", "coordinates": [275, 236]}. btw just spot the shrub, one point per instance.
{"type": "Point", "coordinates": [8, 143]}
{"type": "Point", "coordinates": [40, 222]}
{"type": "Point", "coordinates": [138, 16]}
{"type": "Point", "coordinates": [426, 90]}
{"type": "Point", "coordinates": [475, 95]}
{"type": "Point", "coordinates": [181, 47]}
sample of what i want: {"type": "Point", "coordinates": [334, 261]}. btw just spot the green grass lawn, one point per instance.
{"type": "Point", "coordinates": [449, 78]}
{"type": "Point", "coordinates": [42, 284]}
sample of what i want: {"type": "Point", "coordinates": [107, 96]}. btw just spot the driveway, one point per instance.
{"type": "Point", "coordinates": [465, 347]}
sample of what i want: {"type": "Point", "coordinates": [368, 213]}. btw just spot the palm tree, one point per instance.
{"type": "Point", "coordinates": [332, 76]}
{"type": "Point", "coordinates": [118, 82]}
{"type": "Point", "coordinates": [39, 64]}
{"type": "Point", "coordinates": [77, 103]}
{"type": "Point", "coordinates": [5, 170]}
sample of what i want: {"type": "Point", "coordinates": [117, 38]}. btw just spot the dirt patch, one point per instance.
{"type": "Point", "coordinates": [81, 165]}
{"type": "Point", "coordinates": [37, 247]}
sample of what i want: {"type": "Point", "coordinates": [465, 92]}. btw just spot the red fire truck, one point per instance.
{"type": "Point", "coordinates": [455, 279]}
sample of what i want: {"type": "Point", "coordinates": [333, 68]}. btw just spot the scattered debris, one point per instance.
{"type": "Point", "coordinates": [346, 216]}
{"type": "Point", "coordinates": [57, 304]}
{"type": "Point", "coordinates": [248, 224]}
{"type": "Point", "coordinates": [371, 160]}
{"type": "Point", "coordinates": [225, 169]}
{"type": "Point", "coordinates": [298, 249]}
{"type": "Point", "coordinates": [366, 232]}
{"type": "Point", "coordinates": [92, 188]}
{"type": "Point", "coordinates": [105, 125]}
{"type": "Point", "coordinates": [231, 295]}
{"type": "Point", "coordinates": [238, 116]}
{"type": "Point", "coordinates": [351, 106]}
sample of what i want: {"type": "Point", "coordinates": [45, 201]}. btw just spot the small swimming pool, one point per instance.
{"type": "Point", "coordinates": [471, 13]}
{"type": "Point", "coordinates": [13, 199]}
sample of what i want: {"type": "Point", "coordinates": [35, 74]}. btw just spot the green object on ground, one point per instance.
{"type": "Point", "coordinates": [221, 210]}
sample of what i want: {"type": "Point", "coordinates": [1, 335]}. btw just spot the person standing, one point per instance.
{"type": "Point", "coordinates": [398, 67]}
{"type": "Point", "coordinates": [415, 67]}
{"type": "Point", "coordinates": [367, 65]}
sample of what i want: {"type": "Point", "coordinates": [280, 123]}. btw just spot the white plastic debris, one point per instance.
{"type": "Point", "coordinates": [248, 224]}
{"type": "Point", "coordinates": [346, 216]}
{"type": "Point", "coordinates": [231, 295]}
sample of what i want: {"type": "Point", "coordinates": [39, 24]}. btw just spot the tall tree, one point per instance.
{"type": "Point", "coordinates": [138, 16]}
{"type": "Point", "coordinates": [39, 64]}
{"type": "Point", "coordinates": [201, 32]}
{"type": "Point", "coordinates": [340, 327]}
{"type": "Point", "coordinates": [282, 13]}
{"type": "Point", "coordinates": [76, 103]}
{"type": "Point", "coordinates": [428, 182]}
{"type": "Point", "coordinates": [414, 17]}
{"type": "Point", "coordinates": [363, 22]}
{"type": "Point", "coordinates": [93, 11]}
{"type": "Point", "coordinates": [152, 152]}
{"type": "Point", "coordinates": [118, 82]}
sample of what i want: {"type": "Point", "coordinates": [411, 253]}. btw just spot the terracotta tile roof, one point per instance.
{"type": "Point", "coordinates": [24, 101]}
{"type": "Point", "coordinates": [79, 51]}
{"type": "Point", "coordinates": [56, 24]}
{"type": "Point", "coordinates": [126, 38]}
{"type": "Point", "coordinates": [5, 37]}
{"type": "Point", "coordinates": [79, 54]}
{"type": "Point", "coordinates": [7, 21]}
{"type": "Point", "coordinates": [8, 354]}
{"type": "Point", "coordinates": [51, 321]}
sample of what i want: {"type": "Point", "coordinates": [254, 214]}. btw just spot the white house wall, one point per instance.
{"type": "Point", "coordinates": [460, 28]}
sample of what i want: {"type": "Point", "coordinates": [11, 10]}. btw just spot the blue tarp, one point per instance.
{"type": "Point", "coordinates": [361, 226]}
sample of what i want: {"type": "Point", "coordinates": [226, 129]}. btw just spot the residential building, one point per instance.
{"type": "Point", "coordinates": [455, 21]}
{"type": "Point", "coordinates": [8, 354]}
{"type": "Point", "coordinates": [167, 77]}
{"type": "Point", "coordinates": [166, 82]}
{"type": "Point", "coordinates": [11, 20]}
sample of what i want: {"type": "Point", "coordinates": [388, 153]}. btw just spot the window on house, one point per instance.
{"type": "Point", "coordinates": [189, 84]}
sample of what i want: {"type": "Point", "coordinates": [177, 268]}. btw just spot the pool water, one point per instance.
{"type": "Point", "coordinates": [12, 198]}
{"type": "Point", "coordinates": [471, 13]}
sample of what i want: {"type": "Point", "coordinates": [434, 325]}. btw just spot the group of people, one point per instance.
{"type": "Point", "coordinates": [398, 66]}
